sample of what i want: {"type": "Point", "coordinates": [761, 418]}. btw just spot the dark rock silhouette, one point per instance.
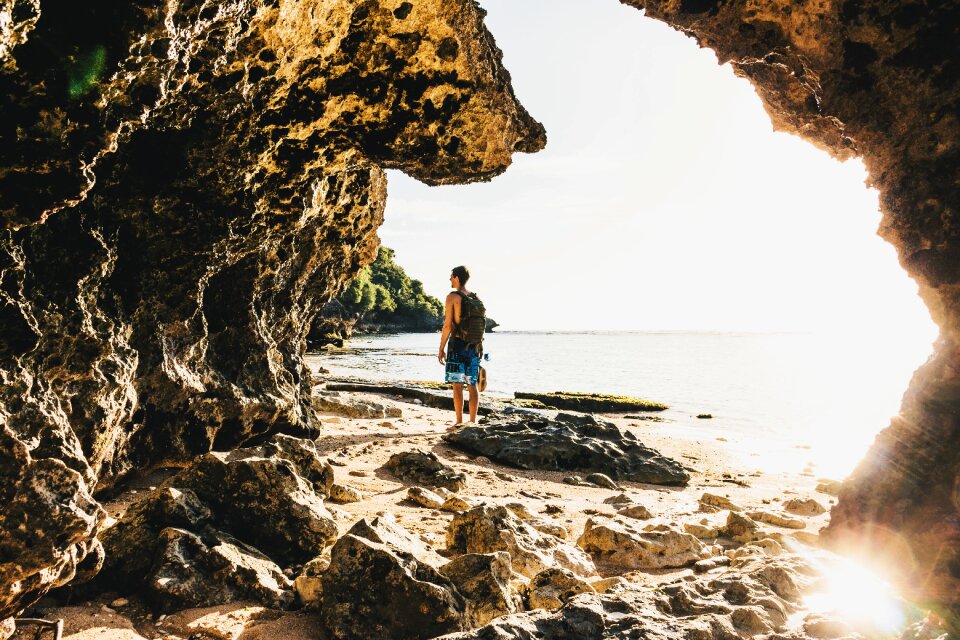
{"type": "Point", "coordinates": [570, 443]}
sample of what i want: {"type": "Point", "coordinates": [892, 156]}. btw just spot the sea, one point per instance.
{"type": "Point", "coordinates": [830, 394]}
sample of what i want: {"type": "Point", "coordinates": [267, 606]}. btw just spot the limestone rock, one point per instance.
{"type": "Point", "coordinates": [618, 543]}
{"type": "Point", "coordinates": [552, 588]}
{"type": "Point", "coordinates": [804, 507]}
{"type": "Point", "coordinates": [568, 442]}
{"type": "Point", "coordinates": [702, 531]}
{"type": "Point", "coordinates": [424, 497]}
{"type": "Point", "coordinates": [309, 584]}
{"type": "Point", "coordinates": [262, 500]}
{"type": "Point", "coordinates": [181, 188]}
{"type": "Point", "coordinates": [198, 540]}
{"type": "Point", "coordinates": [382, 583]}
{"type": "Point", "coordinates": [740, 528]}
{"type": "Point", "coordinates": [424, 468]}
{"type": "Point", "coordinates": [484, 582]}
{"type": "Point", "coordinates": [487, 529]}
{"type": "Point", "coordinates": [618, 500]}
{"type": "Point", "coordinates": [602, 480]}
{"type": "Point", "coordinates": [456, 504]}
{"type": "Point", "coordinates": [718, 502]}
{"type": "Point", "coordinates": [351, 406]}
{"type": "Point", "coordinates": [194, 571]}
{"type": "Point", "coordinates": [777, 519]}
{"type": "Point", "coordinates": [635, 511]}
{"type": "Point", "coordinates": [344, 494]}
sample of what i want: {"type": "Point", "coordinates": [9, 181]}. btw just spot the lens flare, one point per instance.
{"type": "Point", "coordinates": [858, 595]}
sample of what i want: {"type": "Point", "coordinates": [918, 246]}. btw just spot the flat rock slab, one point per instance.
{"type": "Point", "coordinates": [591, 402]}
{"type": "Point", "coordinates": [568, 443]}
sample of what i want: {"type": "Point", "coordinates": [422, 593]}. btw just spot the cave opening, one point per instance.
{"type": "Point", "coordinates": [665, 202]}
{"type": "Point", "coordinates": [666, 206]}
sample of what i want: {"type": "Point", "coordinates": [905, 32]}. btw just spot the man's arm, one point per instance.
{"type": "Point", "coordinates": [452, 299]}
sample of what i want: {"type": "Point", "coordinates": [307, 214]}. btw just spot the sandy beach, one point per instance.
{"type": "Point", "coordinates": [358, 448]}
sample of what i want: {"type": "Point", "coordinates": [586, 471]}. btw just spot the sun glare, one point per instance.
{"type": "Point", "coordinates": [860, 597]}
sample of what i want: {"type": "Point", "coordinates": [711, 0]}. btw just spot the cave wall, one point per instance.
{"type": "Point", "coordinates": [877, 79]}
{"type": "Point", "coordinates": [183, 184]}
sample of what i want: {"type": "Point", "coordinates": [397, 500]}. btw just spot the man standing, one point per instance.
{"type": "Point", "coordinates": [463, 325]}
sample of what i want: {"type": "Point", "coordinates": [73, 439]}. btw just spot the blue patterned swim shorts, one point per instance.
{"type": "Point", "coordinates": [463, 363]}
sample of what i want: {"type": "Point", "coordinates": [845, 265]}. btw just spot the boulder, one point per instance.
{"type": "Point", "coordinates": [309, 584]}
{"type": "Point", "coordinates": [190, 570]}
{"type": "Point", "coordinates": [804, 507]}
{"type": "Point", "coordinates": [484, 582]}
{"type": "Point", "coordinates": [618, 543]}
{"type": "Point", "coordinates": [568, 443]}
{"type": "Point", "coordinates": [552, 588]}
{"type": "Point", "coordinates": [206, 532]}
{"type": "Point", "coordinates": [351, 406]}
{"type": "Point", "coordinates": [383, 583]}
{"type": "Point", "coordinates": [425, 468]}
{"type": "Point", "coordinates": [713, 502]}
{"type": "Point", "coordinates": [486, 529]}
{"type": "Point", "coordinates": [344, 494]}
{"type": "Point", "coordinates": [740, 528]}
{"type": "Point", "coordinates": [635, 511]}
{"type": "Point", "coordinates": [261, 498]}
{"type": "Point", "coordinates": [424, 497]}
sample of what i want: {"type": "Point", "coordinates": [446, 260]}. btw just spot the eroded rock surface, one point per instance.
{"type": "Point", "coordinates": [383, 583]}
{"type": "Point", "coordinates": [568, 442]}
{"type": "Point", "coordinates": [182, 186]}
{"type": "Point", "coordinates": [620, 543]}
{"type": "Point", "coordinates": [223, 529]}
{"type": "Point", "coordinates": [487, 529]}
{"type": "Point", "coordinates": [740, 602]}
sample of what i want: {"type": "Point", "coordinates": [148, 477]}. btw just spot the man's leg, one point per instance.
{"type": "Point", "coordinates": [458, 400]}
{"type": "Point", "coordinates": [474, 401]}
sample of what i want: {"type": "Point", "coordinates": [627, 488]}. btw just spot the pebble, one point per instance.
{"type": "Point", "coordinates": [119, 602]}
{"type": "Point", "coordinates": [357, 473]}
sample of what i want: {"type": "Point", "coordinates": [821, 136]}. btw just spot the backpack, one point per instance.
{"type": "Point", "coordinates": [473, 319]}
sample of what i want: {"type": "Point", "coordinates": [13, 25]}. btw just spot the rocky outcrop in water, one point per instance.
{"type": "Point", "coordinates": [568, 442]}
{"type": "Point", "coordinates": [182, 185]}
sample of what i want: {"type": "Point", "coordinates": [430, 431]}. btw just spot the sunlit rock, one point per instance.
{"type": "Point", "coordinates": [182, 186]}
{"type": "Point", "coordinates": [619, 543]}
{"type": "Point", "coordinates": [489, 529]}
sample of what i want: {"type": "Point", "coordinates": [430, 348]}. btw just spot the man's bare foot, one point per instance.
{"type": "Point", "coordinates": [454, 427]}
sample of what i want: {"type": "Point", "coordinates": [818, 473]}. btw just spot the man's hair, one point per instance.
{"type": "Point", "coordinates": [462, 273]}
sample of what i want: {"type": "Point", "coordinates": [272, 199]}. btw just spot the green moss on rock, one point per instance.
{"type": "Point", "coordinates": [591, 402]}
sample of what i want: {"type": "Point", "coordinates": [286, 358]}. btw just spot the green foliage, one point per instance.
{"type": "Point", "coordinates": [383, 294]}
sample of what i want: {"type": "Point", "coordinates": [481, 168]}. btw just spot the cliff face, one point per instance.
{"type": "Point", "coordinates": [182, 185]}
{"type": "Point", "coordinates": [878, 79]}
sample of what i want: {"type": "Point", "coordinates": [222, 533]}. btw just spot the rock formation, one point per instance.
{"type": "Point", "coordinates": [224, 528]}
{"type": "Point", "coordinates": [182, 186]}
{"type": "Point", "coordinates": [531, 440]}
{"type": "Point", "coordinates": [877, 79]}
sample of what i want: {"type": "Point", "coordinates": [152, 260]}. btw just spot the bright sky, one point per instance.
{"type": "Point", "coordinates": [663, 200]}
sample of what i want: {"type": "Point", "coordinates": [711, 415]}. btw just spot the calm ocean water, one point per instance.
{"type": "Point", "coordinates": [829, 392]}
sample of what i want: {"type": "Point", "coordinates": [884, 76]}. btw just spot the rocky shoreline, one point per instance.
{"type": "Point", "coordinates": [387, 526]}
